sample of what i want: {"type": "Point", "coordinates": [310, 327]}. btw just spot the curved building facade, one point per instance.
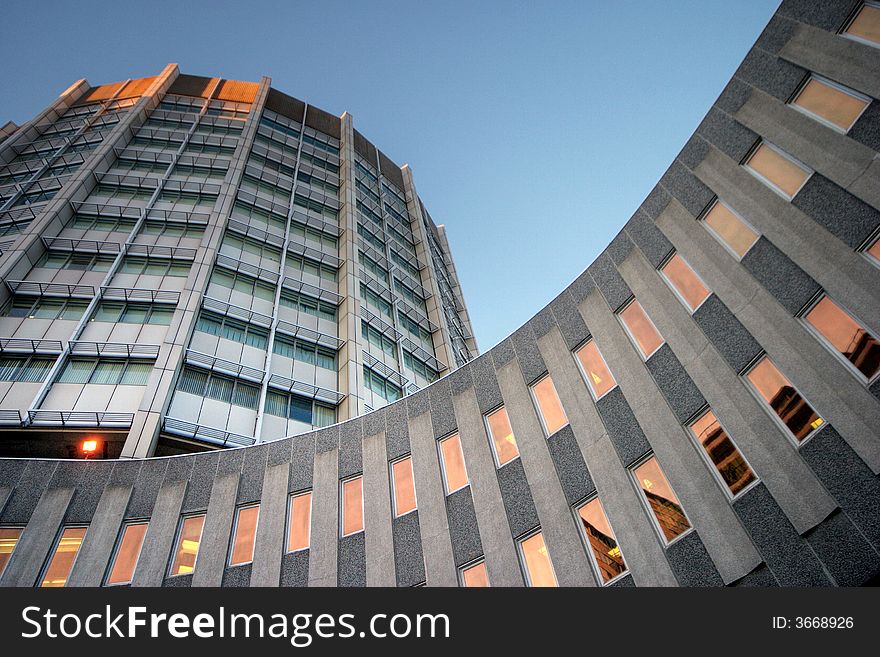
{"type": "Point", "coordinates": [699, 407]}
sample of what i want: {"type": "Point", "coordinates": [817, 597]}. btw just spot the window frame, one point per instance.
{"type": "Point", "coordinates": [289, 519]}
{"type": "Point", "coordinates": [113, 555]}
{"type": "Point", "coordinates": [50, 557]}
{"type": "Point", "coordinates": [341, 513]}
{"type": "Point", "coordinates": [851, 20]}
{"type": "Point", "coordinates": [488, 428]}
{"type": "Point", "coordinates": [444, 476]}
{"type": "Point", "coordinates": [688, 427]}
{"type": "Point", "coordinates": [537, 406]}
{"type": "Point", "coordinates": [584, 373]}
{"type": "Point", "coordinates": [524, 567]}
{"type": "Point", "coordinates": [675, 290]}
{"type": "Point", "coordinates": [585, 540]}
{"type": "Point", "coordinates": [232, 534]}
{"type": "Point", "coordinates": [721, 240]}
{"type": "Point", "coordinates": [21, 529]}
{"type": "Point", "coordinates": [472, 564]}
{"type": "Point", "coordinates": [865, 249]}
{"type": "Point", "coordinates": [177, 538]}
{"type": "Point", "coordinates": [643, 499]}
{"type": "Point", "coordinates": [391, 464]}
{"type": "Point", "coordinates": [632, 338]}
{"type": "Point", "coordinates": [769, 183]}
{"type": "Point", "coordinates": [837, 87]}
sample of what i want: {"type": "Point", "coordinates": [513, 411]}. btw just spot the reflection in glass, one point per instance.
{"type": "Point", "coordinates": [829, 103]}
{"type": "Point", "coordinates": [352, 506]}
{"type": "Point", "coordinates": [685, 281]}
{"type": "Point", "coordinates": [596, 371]}
{"type": "Point", "coordinates": [662, 500]}
{"type": "Point", "coordinates": [502, 436]}
{"type": "Point", "coordinates": [601, 539]}
{"type": "Point", "coordinates": [454, 471]}
{"type": "Point", "coordinates": [8, 539]}
{"type": "Point", "coordinates": [404, 487]}
{"type": "Point", "coordinates": [539, 567]}
{"type": "Point", "coordinates": [245, 535]}
{"type": "Point", "coordinates": [787, 176]}
{"type": "Point", "coordinates": [63, 557]}
{"type": "Point", "coordinates": [642, 330]}
{"type": "Point", "coordinates": [777, 391]}
{"type": "Point", "coordinates": [128, 553]}
{"type": "Point", "coordinates": [299, 523]}
{"type": "Point", "coordinates": [730, 229]}
{"type": "Point", "coordinates": [724, 455]}
{"type": "Point", "coordinates": [475, 576]}
{"type": "Point", "coordinates": [549, 405]}
{"type": "Point", "coordinates": [848, 337]}
{"type": "Point", "coordinates": [188, 545]}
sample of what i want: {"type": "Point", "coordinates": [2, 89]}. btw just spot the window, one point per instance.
{"type": "Point", "coordinates": [163, 229]}
{"type": "Point", "coordinates": [786, 402]}
{"type": "Point", "coordinates": [31, 369]}
{"type": "Point", "coordinates": [189, 536]}
{"type": "Point", "coordinates": [109, 224]}
{"type": "Point", "coordinates": [601, 541]}
{"type": "Point", "coordinates": [127, 553]}
{"type": "Point", "coordinates": [475, 575]}
{"type": "Point", "coordinates": [248, 285]}
{"type": "Point", "coordinates": [233, 329]}
{"type": "Point", "coordinates": [550, 409]}
{"type": "Point", "coordinates": [45, 308]}
{"type": "Point", "coordinates": [661, 500]}
{"type": "Point", "coordinates": [155, 266]}
{"type": "Point", "coordinates": [730, 229]}
{"type": "Point", "coordinates": [299, 521]}
{"type": "Point", "coordinates": [8, 540]}
{"type": "Point", "coordinates": [595, 370]}
{"type": "Point", "coordinates": [375, 302]}
{"type": "Point", "coordinates": [641, 329]}
{"type": "Point", "coordinates": [306, 352]}
{"type": "Point", "coordinates": [874, 252]}
{"type": "Point", "coordinates": [830, 103]}
{"type": "Point", "coordinates": [501, 436]}
{"type": "Point", "coordinates": [777, 169]}
{"type": "Point", "coordinates": [379, 340]}
{"type": "Point", "coordinates": [244, 534]}
{"type": "Point", "coordinates": [301, 409]}
{"type": "Point", "coordinates": [452, 461]}
{"type": "Point", "coordinates": [222, 388]}
{"type": "Point", "coordinates": [419, 368]}
{"type": "Point", "coordinates": [845, 336]}
{"type": "Point", "coordinates": [404, 486]}
{"type": "Point", "coordinates": [536, 561]}
{"type": "Point", "coordinates": [684, 280]}
{"type": "Point", "coordinates": [76, 261]}
{"type": "Point", "coordinates": [722, 453]}
{"type": "Point", "coordinates": [381, 386]}
{"type": "Point", "coordinates": [308, 305]}
{"type": "Point", "coordinates": [865, 26]}
{"type": "Point", "coordinates": [105, 371]}
{"type": "Point", "coordinates": [133, 313]}
{"type": "Point", "coordinates": [352, 506]}
{"type": "Point", "coordinates": [63, 555]}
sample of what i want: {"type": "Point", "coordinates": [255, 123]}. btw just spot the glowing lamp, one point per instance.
{"type": "Point", "coordinates": [89, 447]}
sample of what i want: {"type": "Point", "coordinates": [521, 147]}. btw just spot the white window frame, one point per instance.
{"type": "Point", "coordinates": [537, 405]}
{"type": "Point", "coordinates": [238, 510]}
{"type": "Point", "coordinates": [674, 289]}
{"type": "Point", "coordinates": [341, 513]}
{"type": "Point", "coordinates": [791, 158]}
{"type": "Point", "coordinates": [118, 545]}
{"type": "Point", "coordinates": [522, 556]}
{"type": "Point", "coordinates": [850, 21]}
{"type": "Point", "coordinates": [394, 486]}
{"type": "Point", "coordinates": [289, 518]}
{"type": "Point", "coordinates": [705, 456]}
{"type": "Point", "coordinates": [178, 535]}
{"type": "Point", "coordinates": [468, 566]}
{"type": "Point", "coordinates": [443, 463]}
{"type": "Point", "coordinates": [585, 375]}
{"type": "Point", "coordinates": [597, 573]}
{"type": "Point", "coordinates": [836, 86]}
{"type": "Point", "coordinates": [632, 338]}
{"type": "Point", "coordinates": [491, 438]}
{"type": "Point", "coordinates": [50, 557]}
{"type": "Point", "coordinates": [867, 245]}
{"type": "Point", "coordinates": [720, 239]}
{"type": "Point", "coordinates": [658, 530]}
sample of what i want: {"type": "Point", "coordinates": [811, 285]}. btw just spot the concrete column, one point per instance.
{"type": "Point", "coordinates": [269, 546]}
{"type": "Point", "coordinates": [97, 548]}
{"type": "Point", "coordinates": [159, 539]}
{"type": "Point", "coordinates": [214, 547]}
{"type": "Point", "coordinates": [378, 535]}
{"type": "Point", "coordinates": [325, 519]}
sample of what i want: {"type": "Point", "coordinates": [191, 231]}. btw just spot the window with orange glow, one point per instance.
{"type": "Point", "coordinates": [685, 281]}
{"type": "Point", "coordinates": [778, 169]}
{"type": "Point", "coordinates": [782, 398]}
{"type": "Point", "coordinates": [874, 251]}
{"type": "Point", "coordinates": [404, 486]}
{"type": "Point", "coordinates": [830, 104]}
{"type": "Point", "coordinates": [723, 454]}
{"type": "Point", "coordinates": [536, 559]}
{"type": "Point", "coordinates": [8, 540]}
{"type": "Point", "coordinates": [865, 26]}
{"type": "Point", "coordinates": [353, 506]}
{"type": "Point", "coordinates": [188, 540]}
{"type": "Point", "coordinates": [595, 370]}
{"type": "Point", "coordinates": [846, 336]}
{"type": "Point", "coordinates": [550, 409]}
{"type": "Point", "coordinates": [244, 535]}
{"type": "Point", "coordinates": [661, 499]}
{"type": "Point", "coordinates": [501, 433]}
{"type": "Point", "coordinates": [641, 329]}
{"type": "Point", "coordinates": [730, 230]}
{"type": "Point", "coordinates": [127, 554]}
{"type": "Point", "coordinates": [299, 522]}
{"type": "Point", "coordinates": [601, 541]}
{"type": "Point", "coordinates": [452, 459]}
{"type": "Point", "coordinates": [475, 575]}
{"type": "Point", "coordinates": [63, 557]}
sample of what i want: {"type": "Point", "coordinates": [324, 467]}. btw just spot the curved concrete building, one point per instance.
{"type": "Point", "coordinates": [699, 407]}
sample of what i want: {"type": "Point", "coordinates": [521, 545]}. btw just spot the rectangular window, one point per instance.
{"type": "Point", "coordinates": [536, 561]}
{"type": "Point", "coordinates": [685, 282]}
{"type": "Point", "coordinates": [501, 434]}
{"type": "Point", "coordinates": [730, 229]}
{"type": "Point", "coordinates": [353, 506]}
{"type": "Point", "coordinates": [830, 103]}
{"type": "Point", "coordinates": [722, 453]}
{"type": "Point", "coordinates": [404, 486]}
{"type": "Point", "coordinates": [452, 460]}
{"type": "Point", "coordinates": [641, 329]}
{"type": "Point", "coordinates": [189, 536]}
{"type": "Point", "coordinates": [8, 540]}
{"type": "Point", "coordinates": [601, 541]}
{"type": "Point", "coordinates": [845, 336]}
{"type": "Point", "coordinates": [244, 534]}
{"type": "Point", "coordinates": [550, 410]}
{"type": "Point", "coordinates": [865, 26]}
{"type": "Point", "coordinates": [661, 500]}
{"type": "Point", "coordinates": [595, 370]}
{"type": "Point", "coordinates": [873, 252]}
{"type": "Point", "coordinates": [475, 575]}
{"type": "Point", "coordinates": [63, 556]}
{"type": "Point", "coordinates": [128, 551]}
{"type": "Point", "coordinates": [786, 402]}
{"type": "Point", "coordinates": [781, 172]}
{"type": "Point", "coordinates": [299, 522]}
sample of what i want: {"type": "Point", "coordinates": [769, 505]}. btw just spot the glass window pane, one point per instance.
{"type": "Point", "coordinates": [107, 372]}
{"type": "Point", "coordinates": [301, 409]}
{"type": "Point", "coordinates": [135, 314]}
{"type": "Point", "coordinates": [730, 229]}
{"type": "Point", "coordinates": [128, 553]}
{"type": "Point", "coordinates": [188, 545]}
{"type": "Point", "coordinates": [866, 24]}
{"type": "Point", "coordinates": [787, 176]}
{"type": "Point", "coordinates": [786, 402]}
{"type": "Point", "coordinates": [832, 104]}
{"type": "Point", "coordinates": [601, 540]}
{"type": "Point", "coordinates": [404, 487]}
{"type": "Point", "coordinates": [501, 433]}
{"type": "Point", "coordinates": [245, 535]}
{"type": "Point", "coordinates": [63, 557]}
{"type": "Point", "coordinates": [454, 471]}
{"type": "Point", "coordinates": [76, 371]}
{"type": "Point", "coordinates": [724, 455]}
{"type": "Point", "coordinates": [539, 568]}
{"type": "Point", "coordinates": [846, 335]}
{"type": "Point", "coordinates": [661, 499]}
{"type": "Point", "coordinates": [642, 330]}
{"type": "Point", "coordinates": [136, 374]}
{"type": "Point", "coordinates": [300, 522]}
{"type": "Point", "coordinates": [685, 281]}
{"type": "Point", "coordinates": [475, 576]}
{"type": "Point", "coordinates": [549, 406]}
{"type": "Point", "coordinates": [595, 370]}
{"type": "Point", "coordinates": [352, 506]}
{"type": "Point", "coordinates": [8, 539]}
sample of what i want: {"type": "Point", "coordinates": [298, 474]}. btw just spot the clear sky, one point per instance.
{"type": "Point", "coordinates": [534, 129]}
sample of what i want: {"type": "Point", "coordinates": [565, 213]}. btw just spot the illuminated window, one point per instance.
{"type": "Point", "coordinates": [404, 486]}
{"type": "Point", "coordinates": [8, 539]}
{"type": "Point", "coordinates": [244, 534]}
{"type": "Point", "coordinates": [299, 521]}
{"type": "Point", "coordinates": [189, 536]}
{"type": "Point", "coordinates": [550, 409]}
{"type": "Point", "coordinates": [128, 551]}
{"type": "Point", "coordinates": [730, 229]}
{"type": "Point", "coordinates": [536, 561]}
{"type": "Point", "coordinates": [831, 104]}
{"type": "Point", "coordinates": [353, 505]}
{"type": "Point", "coordinates": [475, 575]}
{"type": "Point", "coordinates": [501, 434]}
{"type": "Point", "coordinates": [594, 369]}
{"type": "Point", "coordinates": [641, 329]}
{"type": "Point", "coordinates": [661, 499]}
{"type": "Point", "coordinates": [685, 282]}
{"type": "Point", "coordinates": [601, 541]}
{"type": "Point", "coordinates": [722, 453]}
{"type": "Point", "coordinates": [63, 556]}
{"type": "Point", "coordinates": [846, 336]}
{"type": "Point", "coordinates": [452, 459]}
{"type": "Point", "coordinates": [778, 170]}
{"type": "Point", "coordinates": [794, 411]}
{"type": "Point", "coordinates": [865, 26]}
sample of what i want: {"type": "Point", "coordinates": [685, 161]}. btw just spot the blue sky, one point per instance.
{"type": "Point", "coordinates": [534, 129]}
